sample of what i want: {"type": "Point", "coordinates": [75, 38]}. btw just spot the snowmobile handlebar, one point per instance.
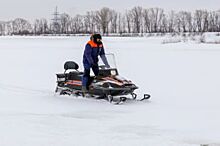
{"type": "Point", "coordinates": [103, 67]}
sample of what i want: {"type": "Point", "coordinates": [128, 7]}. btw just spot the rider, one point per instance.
{"type": "Point", "coordinates": [93, 49]}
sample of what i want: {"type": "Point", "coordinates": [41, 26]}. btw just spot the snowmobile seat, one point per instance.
{"type": "Point", "coordinates": [71, 65]}
{"type": "Point", "coordinates": [74, 75]}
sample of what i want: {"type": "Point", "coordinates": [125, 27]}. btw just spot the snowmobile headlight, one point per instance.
{"type": "Point", "coordinates": [113, 72]}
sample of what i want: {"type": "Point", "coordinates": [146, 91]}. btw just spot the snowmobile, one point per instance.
{"type": "Point", "coordinates": [107, 85]}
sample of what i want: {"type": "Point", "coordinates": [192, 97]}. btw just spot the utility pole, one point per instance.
{"type": "Point", "coordinates": [56, 22]}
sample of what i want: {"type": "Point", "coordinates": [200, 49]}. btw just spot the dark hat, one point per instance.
{"type": "Point", "coordinates": [96, 36]}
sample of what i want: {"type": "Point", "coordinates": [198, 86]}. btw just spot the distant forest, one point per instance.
{"type": "Point", "coordinates": [137, 20]}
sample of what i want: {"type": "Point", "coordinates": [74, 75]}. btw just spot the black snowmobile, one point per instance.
{"type": "Point", "coordinates": [107, 85]}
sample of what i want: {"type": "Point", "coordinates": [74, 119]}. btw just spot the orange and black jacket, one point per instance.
{"type": "Point", "coordinates": [91, 53]}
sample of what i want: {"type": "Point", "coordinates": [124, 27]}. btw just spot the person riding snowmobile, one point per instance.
{"type": "Point", "coordinates": [93, 49]}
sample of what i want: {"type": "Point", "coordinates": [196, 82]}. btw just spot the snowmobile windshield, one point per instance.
{"type": "Point", "coordinates": [110, 60]}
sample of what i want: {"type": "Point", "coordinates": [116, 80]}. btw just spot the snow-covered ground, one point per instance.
{"type": "Point", "coordinates": [183, 79]}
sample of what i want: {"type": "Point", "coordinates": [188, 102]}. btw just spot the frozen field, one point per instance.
{"type": "Point", "coordinates": [183, 79]}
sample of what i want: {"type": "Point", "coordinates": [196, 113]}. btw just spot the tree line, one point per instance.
{"type": "Point", "coordinates": [137, 20]}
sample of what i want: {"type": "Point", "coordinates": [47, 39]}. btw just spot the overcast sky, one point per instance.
{"type": "Point", "coordinates": [31, 9]}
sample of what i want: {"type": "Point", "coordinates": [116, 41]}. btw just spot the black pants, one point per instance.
{"type": "Point", "coordinates": [86, 76]}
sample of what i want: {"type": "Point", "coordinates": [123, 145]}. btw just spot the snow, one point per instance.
{"type": "Point", "coordinates": [183, 79]}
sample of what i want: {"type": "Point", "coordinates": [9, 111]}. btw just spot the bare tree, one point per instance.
{"type": "Point", "coordinates": [113, 21]}
{"type": "Point", "coordinates": [177, 23]}
{"type": "Point", "coordinates": [40, 26]}
{"type": "Point", "coordinates": [21, 26]}
{"type": "Point", "coordinates": [37, 27]}
{"type": "Point", "coordinates": [65, 23]}
{"type": "Point", "coordinates": [103, 18]}
{"type": "Point", "coordinates": [171, 21]}
{"type": "Point", "coordinates": [217, 21]}
{"type": "Point", "coordinates": [164, 24]}
{"type": "Point", "coordinates": [121, 24]}
{"type": "Point", "coordinates": [212, 21]}
{"type": "Point", "coordinates": [189, 21]}
{"type": "Point", "coordinates": [2, 28]}
{"type": "Point", "coordinates": [182, 19]}
{"type": "Point", "coordinates": [185, 19]}
{"type": "Point", "coordinates": [128, 17]}
{"type": "Point", "coordinates": [76, 24]}
{"type": "Point", "coordinates": [137, 18]}
{"type": "Point", "coordinates": [205, 22]}
{"type": "Point", "coordinates": [8, 28]}
{"type": "Point", "coordinates": [147, 20]}
{"type": "Point", "coordinates": [90, 21]}
{"type": "Point", "coordinates": [45, 25]}
{"type": "Point", "coordinates": [156, 15]}
{"type": "Point", "coordinates": [198, 20]}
